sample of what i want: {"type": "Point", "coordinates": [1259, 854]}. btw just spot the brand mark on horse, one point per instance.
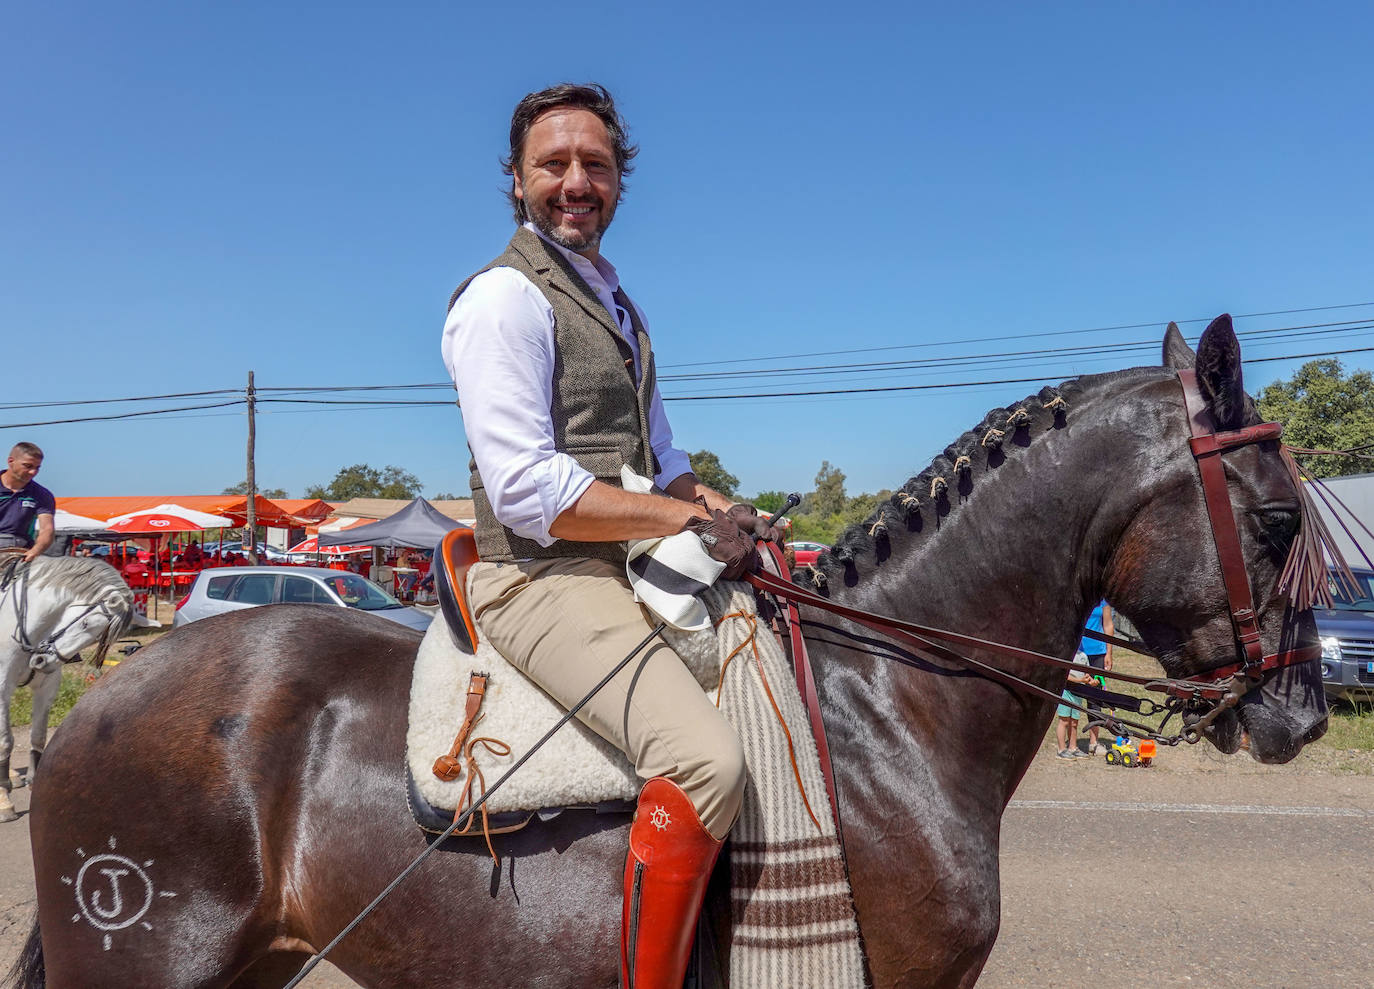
{"type": "Point", "coordinates": [113, 892]}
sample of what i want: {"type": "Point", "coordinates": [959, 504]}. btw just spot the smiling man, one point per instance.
{"type": "Point", "coordinates": [555, 375]}
{"type": "Point", "coordinates": [26, 507]}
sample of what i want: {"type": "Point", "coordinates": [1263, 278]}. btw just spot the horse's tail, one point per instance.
{"type": "Point", "coordinates": [28, 971]}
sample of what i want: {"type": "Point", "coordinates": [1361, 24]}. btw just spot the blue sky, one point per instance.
{"type": "Point", "coordinates": [191, 191]}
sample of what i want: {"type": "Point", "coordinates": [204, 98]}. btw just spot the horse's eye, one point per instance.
{"type": "Point", "coordinates": [1280, 527]}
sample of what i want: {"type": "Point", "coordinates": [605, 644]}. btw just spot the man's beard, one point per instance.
{"type": "Point", "coordinates": [541, 215]}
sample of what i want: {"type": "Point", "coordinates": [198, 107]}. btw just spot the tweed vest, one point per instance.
{"type": "Point", "coordinates": [600, 418]}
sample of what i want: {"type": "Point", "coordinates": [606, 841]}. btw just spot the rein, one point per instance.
{"type": "Point", "coordinates": [934, 643]}
{"type": "Point", "coordinates": [1222, 686]}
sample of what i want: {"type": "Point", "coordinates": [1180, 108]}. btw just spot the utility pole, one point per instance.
{"type": "Point", "coordinates": [250, 531]}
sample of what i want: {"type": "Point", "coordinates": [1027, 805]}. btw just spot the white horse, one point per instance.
{"type": "Point", "coordinates": [50, 610]}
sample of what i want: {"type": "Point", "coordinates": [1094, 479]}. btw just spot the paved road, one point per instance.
{"type": "Point", "coordinates": [1205, 873]}
{"type": "Point", "coordinates": [1118, 877]}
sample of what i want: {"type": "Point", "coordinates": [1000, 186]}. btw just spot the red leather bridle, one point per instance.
{"type": "Point", "coordinates": [1208, 445]}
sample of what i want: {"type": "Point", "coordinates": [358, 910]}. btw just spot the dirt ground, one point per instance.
{"type": "Point", "coordinates": [1199, 871]}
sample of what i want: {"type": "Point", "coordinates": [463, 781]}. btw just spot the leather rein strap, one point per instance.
{"type": "Point", "coordinates": [806, 683]}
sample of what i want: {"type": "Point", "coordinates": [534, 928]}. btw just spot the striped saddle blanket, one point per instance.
{"type": "Point", "coordinates": [792, 914]}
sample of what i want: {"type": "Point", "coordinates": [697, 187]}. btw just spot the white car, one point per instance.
{"type": "Point", "coordinates": [220, 589]}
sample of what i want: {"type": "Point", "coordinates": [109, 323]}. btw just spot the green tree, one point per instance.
{"type": "Point", "coordinates": [768, 502]}
{"type": "Point", "coordinates": [829, 497]}
{"type": "Point", "coordinates": [816, 528]}
{"type": "Point", "coordinates": [449, 496]}
{"type": "Point", "coordinates": [1321, 408]}
{"type": "Point", "coordinates": [860, 507]}
{"type": "Point", "coordinates": [242, 489]}
{"type": "Point", "coordinates": [707, 467]}
{"type": "Point", "coordinates": [364, 481]}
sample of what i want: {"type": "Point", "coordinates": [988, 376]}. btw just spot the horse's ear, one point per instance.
{"type": "Point", "coordinates": [1219, 373]}
{"type": "Point", "coordinates": [1177, 353]}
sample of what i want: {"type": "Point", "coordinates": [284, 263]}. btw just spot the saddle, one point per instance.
{"type": "Point", "coordinates": [791, 916]}
{"type": "Point", "coordinates": [451, 688]}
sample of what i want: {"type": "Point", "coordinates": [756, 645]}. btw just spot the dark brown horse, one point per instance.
{"type": "Point", "coordinates": [227, 802]}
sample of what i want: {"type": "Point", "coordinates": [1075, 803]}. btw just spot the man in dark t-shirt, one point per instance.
{"type": "Point", "coordinates": [26, 507]}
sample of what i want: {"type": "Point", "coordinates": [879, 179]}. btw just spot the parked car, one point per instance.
{"type": "Point", "coordinates": [807, 553]}
{"type": "Point", "coordinates": [1347, 634]}
{"type": "Point", "coordinates": [264, 551]}
{"type": "Point", "coordinates": [221, 589]}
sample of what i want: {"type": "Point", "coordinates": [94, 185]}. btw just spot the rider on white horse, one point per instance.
{"type": "Point", "coordinates": [26, 507]}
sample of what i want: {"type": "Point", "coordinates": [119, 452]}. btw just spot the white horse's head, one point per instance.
{"type": "Point", "coordinates": [70, 604]}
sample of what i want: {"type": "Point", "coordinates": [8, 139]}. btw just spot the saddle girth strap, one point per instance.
{"type": "Point", "coordinates": [449, 767]}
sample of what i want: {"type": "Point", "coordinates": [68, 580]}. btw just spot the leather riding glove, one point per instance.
{"type": "Point", "coordinates": [752, 524]}
{"type": "Point", "coordinates": [726, 543]}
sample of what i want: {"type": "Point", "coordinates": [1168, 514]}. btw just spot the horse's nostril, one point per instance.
{"type": "Point", "coordinates": [1316, 731]}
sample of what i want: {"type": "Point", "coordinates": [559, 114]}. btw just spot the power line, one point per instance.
{"type": "Point", "coordinates": [107, 401]}
{"type": "Point", "coordinates": [123, 415]}
{"type": "Point", "coordinates": [1020, 336]}
{"type": "Point", "coordinates": [305, 389]}
{"type": "Point", "coordinates": [1300, 357]}
{"type": "Point", "coordinates": [1275, 333]}
{"type": "Point", "coordinates": [947, 363]}
{"type": "Point", "coordinates": [953, 384]}
{"type": "Point", "coordinates": [395, 402]}
{"type": "Point", "coordinates": [1264, 335]}
{"type": "Point", "coordinates": [358, 405]}
{"type": "Point", "coordinates": [933, 366]}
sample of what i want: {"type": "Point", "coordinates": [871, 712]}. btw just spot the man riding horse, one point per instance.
{"type": "Point", "coordinates": [26, 507]}
{"type": "Point", "coordinates": [555, 376]}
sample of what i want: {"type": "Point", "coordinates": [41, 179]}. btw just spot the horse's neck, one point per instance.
{"type": "Point", "coordinates": [41, 604]}
{"type": "Point", "coordinates": [1017, 559]}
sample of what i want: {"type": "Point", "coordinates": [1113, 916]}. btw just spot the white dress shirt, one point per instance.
{"type": "Point", "coordinates": [498, 347]}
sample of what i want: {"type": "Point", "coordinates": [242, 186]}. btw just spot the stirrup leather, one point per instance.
{"type": "Point", "coordinates": [669, 863]}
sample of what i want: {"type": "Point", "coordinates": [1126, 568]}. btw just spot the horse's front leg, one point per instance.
{"type": "Point", "coordinates": [928, 896]}
{"type": "Point", "coordinates": [45, 688]}
{"type": "Point", "coordinates": [16, 665]}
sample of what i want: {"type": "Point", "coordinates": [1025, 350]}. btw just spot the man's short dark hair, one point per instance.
{"type": "Point", "coordinates": [591, 97]}
{"type": "Point", "coordinates": [26, 449]}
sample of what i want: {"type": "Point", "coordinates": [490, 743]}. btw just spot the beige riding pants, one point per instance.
{"type": "Point", "coordinates": [566, 623]}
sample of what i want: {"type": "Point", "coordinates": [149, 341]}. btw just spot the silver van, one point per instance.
{"type": "Point", "coordinates": [220, 589]}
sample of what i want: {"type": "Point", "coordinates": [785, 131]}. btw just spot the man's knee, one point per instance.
{"type": "Point", "coordinates": [728, 768]}
{"type": "Point", "coordinates": [722, 792]}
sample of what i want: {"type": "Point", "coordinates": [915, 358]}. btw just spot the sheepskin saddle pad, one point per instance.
{"type": "Point", "coordinates": [576, 767]}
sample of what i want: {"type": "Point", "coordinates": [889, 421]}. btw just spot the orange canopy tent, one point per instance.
{"type": "Point", "coordinates": [266, 513]}
{"type": "Point", "coordinates": [308, 510]}
{"type": "Point", "coordinates": [234, 507]}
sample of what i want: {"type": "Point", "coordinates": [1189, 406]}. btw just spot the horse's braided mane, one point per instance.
{"type": "Point", "coordinates": [85, 577]}
{"type": "Point", "coordinates": [941, 487]}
